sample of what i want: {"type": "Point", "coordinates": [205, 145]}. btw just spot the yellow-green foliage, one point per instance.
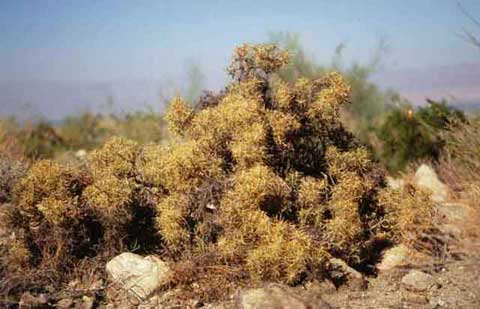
{"type": "Point", "coordinates": [281, 253]}
{"type": "Point", "coordinates": [312, 195]}
{"type": "Point", "coordinates": [17, 254]}
{"type": "Point", "coordinates": [247, 59]}
{"type": "Point", "coordinates": [170, 220]}
{"type": "Point", "coordinates": [283, 126]}
{"type": "Point", "coordinates": [178, 168]}
{"type": "Point", "coordinates": [258, 188]}
{"type": "Point", "coordinates": [248, 147]}
{"type": "Point", "coordinates": [295, 185]}
{"type": "Point", "coordinates": [117, 158]}
{"type": "Point", "coordinates": [113, 171]}
{"type": "Point", "coordinates": [46, 192]}
{"type": "Point", "coordinates": [178, 115]}
{"type": "Point", "coordinates": [408, 212]}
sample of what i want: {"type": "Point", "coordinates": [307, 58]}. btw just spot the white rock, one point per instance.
{"type": "Point", "coordinates": [81, 154]}
{"type": "Point", "coordinates": [418, 281]}
{"type": "Point", "coordinates": [425, 177]}
{"type": "Point", "coordinates": [341, 271]}
{"type": "Point", "coordinates": [395, 183]}
{"type": "Point", "coordinates": [87, 302]}
{"type": "Point", "coordinates": [276, 296]}
{"type": "Point", "coordinates": [137, 275]}
{"type": "Point", "coordinates": [30, 301]}
{"type": "Point", "coordinates": [451, 212]}
{"type": "Point", "coordinates": [394, 257]}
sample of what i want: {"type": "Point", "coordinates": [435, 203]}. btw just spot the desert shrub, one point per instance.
{"type": "Point", "coordinates": [144, 126]}
{"type": "Point", "coordinates": [13, 164]}
{"type": "Point", "coordinates": [460, 159]}
{"type": "Point", "coordinates": [408, 213]}
{"type": "Point", "coordinates": [368, 102]}
{"type": "Point", "coordinates": [40, 140]}
{"type": "Point", "coordinates": [115, 195]}
{"type": "Point", "coordinates": [83, 132]}
{"type": "Point", "coordinates": [64, 217]}
{"type": "Point", "coordinates": [263, 184]}
{"type": "Point", "coordinates": [86, 131]}
{"type": "Point", "coordinates": [378, 118]}
{"type": "Point", "coordinates": [408, 135]}
{"type": "Point", "coordinates": [50, 225]}
{"type": "Point", "coordinates": [268, 180]}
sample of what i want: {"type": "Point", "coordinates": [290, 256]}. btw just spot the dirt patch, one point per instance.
{"type": "Point", "coordinates": [456, 276]}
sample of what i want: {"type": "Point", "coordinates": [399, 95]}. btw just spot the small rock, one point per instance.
{"type": "Point", "coordinates": [136, 275]}
{"type": "Point", "coordinates": [395, 184]}
{"type": "Point", "coordinates": [425, 177]}
{"type": "Point", "coordinates": [344, 273]}
{"type": "Point", "coordinates": [452, 230]}
{"type": "Point", "coordinates": [438, 303]}
{"type": "Point", "coordinates": [452, 212]}
{"type": "Point", "coordinates": [416, 298]}
{"type": "Point", "coordinates": [394, 257]}
{"type": "Point", "coordinates": [29, 301]}
{"type": "Point", "coordinates": [276, 296]}
{"type": "Point", "coordinates": [81, 154]}
{"type": "Point", "coordinates": [322, 287]}
{"type": "Point", "coordinates": [97, 284]}
{"type": "Point", "coordinates": [65, 303]}
{"type": "Point", "coordinates": [418, 281]}
{"type": "Point", "coordinates": [74, 284]}
{"type": "Point", "coordinates": [87, 302]}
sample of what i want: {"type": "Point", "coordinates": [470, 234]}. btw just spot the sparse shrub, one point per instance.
{"type": "Point", "coordinates": [40, 140]}
{"type": "Point", "coordinates": [408, 135]}
{"type": "Point", "coordinates": [83, 132]}
{"type": "Point", "coordinates": [50, 225]}
{"type": "Point", "coordinates": [117, 197]}
{"type": "Point", "coordinates": [408, 213]}
{"type": "Point", "coordinates": [459, 163]}
{"type": "Point", "coordinates": [62, 216]}
{"type": "Point", "coordinates": [13, 164]}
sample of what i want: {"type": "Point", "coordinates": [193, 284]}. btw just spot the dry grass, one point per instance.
{"type": "Point", "coordinates": [459, 165]}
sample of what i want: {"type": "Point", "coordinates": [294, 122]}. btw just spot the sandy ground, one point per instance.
{"type": "Point", "coordinates": [456, 276]}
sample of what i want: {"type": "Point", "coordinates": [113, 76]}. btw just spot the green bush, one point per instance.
{"type": "Point", "coordinates": [408, 135]}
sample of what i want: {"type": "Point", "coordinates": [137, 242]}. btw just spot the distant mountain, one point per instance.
{"type": "Point", "coordinates": [458, 84]}
{"type": "Point", "coordinates": [55, 100]}
{"type": "Point", "coordinates": [467, 107]}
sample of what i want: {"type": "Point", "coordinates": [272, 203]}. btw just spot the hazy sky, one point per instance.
{"type": "Point", "coordinates": [64, 50]}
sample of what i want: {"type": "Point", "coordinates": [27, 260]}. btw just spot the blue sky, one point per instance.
{"type": "Point", "coordinates": [94, 43]}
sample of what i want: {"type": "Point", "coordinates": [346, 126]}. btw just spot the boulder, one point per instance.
{"type": "Point", "coordinates": [451, 212]}
{"type": "Point", "coordinates": [276, 296]}
{"type": "Point", "coordinates": [418, 281]}
{"type": "Point", "coordinates": [394, 257]}
{"type": "Point", "coordinates": [138, 276]}
{"type": "Point", "coordinates": [344, 274]}
{"type": "Point", "coordinates": [426, 178]}
{"type": "Point", "coordinates": [30, 301]}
